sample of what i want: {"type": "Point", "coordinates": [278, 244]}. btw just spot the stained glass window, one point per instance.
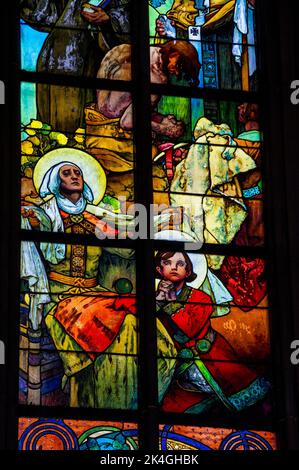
{"type": "Point", "coordinates": [213, 340]}
{"type": "Point", "coordinates": [57, 434]}
{"type": "Point", "coordinates": [194, 438]}
{"type": "Point", "coordinates": [215, 40]}
{"type": "Point", "coordinates": [221, 143]}
{"type": "Point", "coordinates": [73, 37]}
{"type": "Point", "coordinates": [143, 281]}
{"type": "Point", "coordinates": [78, 327]}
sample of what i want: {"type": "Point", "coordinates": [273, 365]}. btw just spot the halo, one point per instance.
{"type": "Point", "coordinates": [200, 267]}
{"type": "Point", "coordinates": [93, 172]}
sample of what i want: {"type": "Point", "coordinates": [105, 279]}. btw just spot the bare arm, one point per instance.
{"type": "Point", "coordinates": [115, 104]}
{"type": "Point", "coordinates": [116, 65]}
{"type": "Point", "coordinates": [126, 121]}
{"type": "Point", "coordinates": [167, 125]}
{"type": "Point", "coordinates": [164, 125]}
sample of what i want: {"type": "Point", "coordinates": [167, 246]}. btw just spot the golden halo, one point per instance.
{"type": "Point", "coordinates": [93, 172]}
{"type": "Point", "coordinates": [200, 267]}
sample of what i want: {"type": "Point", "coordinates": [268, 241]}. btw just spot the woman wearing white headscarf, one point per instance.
{"type": "Point", "coordinates": [51, 185]}
{"type": "Point", "coordinates": [81, 214]}
{"type": "Point", "coordinates": [102, 322]}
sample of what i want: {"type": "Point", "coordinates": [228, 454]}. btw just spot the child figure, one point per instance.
{"type": "Point", "coordinates": [208, 370]}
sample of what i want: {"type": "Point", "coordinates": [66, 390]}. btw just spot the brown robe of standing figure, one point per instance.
{"type": "Point", "coordinates": [71, 48]}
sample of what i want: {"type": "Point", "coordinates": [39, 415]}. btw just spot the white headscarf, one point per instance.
{"type": "Point", "coordinates": [51, 185]}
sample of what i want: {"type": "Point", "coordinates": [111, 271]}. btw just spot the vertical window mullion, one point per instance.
{"type": "Point", "coordinates": [148, 400]}
{"type": "Point", "coordinates": [11, 182]}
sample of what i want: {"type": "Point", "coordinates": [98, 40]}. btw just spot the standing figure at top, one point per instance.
{"type": "Point", "coordinates": [76, 43]}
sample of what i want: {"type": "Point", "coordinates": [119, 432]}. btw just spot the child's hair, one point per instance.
{"type": "Point", "coordinates": [163, 255]}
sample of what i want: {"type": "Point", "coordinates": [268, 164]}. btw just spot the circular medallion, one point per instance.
{"type": "Point", "coordinates": [245, 440]}
{"type": "Point", "coordinates": [108, 438]}
{"type": "Point", "coordinates": [203, 345]}
{"type": "Point", "coordinates": [48, 434]}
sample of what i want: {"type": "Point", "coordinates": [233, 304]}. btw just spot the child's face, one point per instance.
{"type": "Point", "coordinates": [173, 269]}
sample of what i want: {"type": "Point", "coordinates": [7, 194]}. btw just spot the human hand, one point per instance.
{"type": "Point", "coordinates": [99, 16]}
{"type": "Point", "coordinates": [29, 214]}
{"type": "Point", "coordinates": [161, 27]}
{"type": "Point", "coordinates": [171, 127]}
{"type": "Point", "coordinates": [166, 291]}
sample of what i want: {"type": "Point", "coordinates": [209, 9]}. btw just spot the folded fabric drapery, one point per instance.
{"type": "Point", "coordinates": [216, 161]}
{"type": "Point", "coordinates": [33, 271]}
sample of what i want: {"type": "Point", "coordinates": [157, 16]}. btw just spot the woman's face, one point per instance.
{"type": "Point", "coordinates": [71, 179]}
{"type": "Point", "coordinates": [174, 269]}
